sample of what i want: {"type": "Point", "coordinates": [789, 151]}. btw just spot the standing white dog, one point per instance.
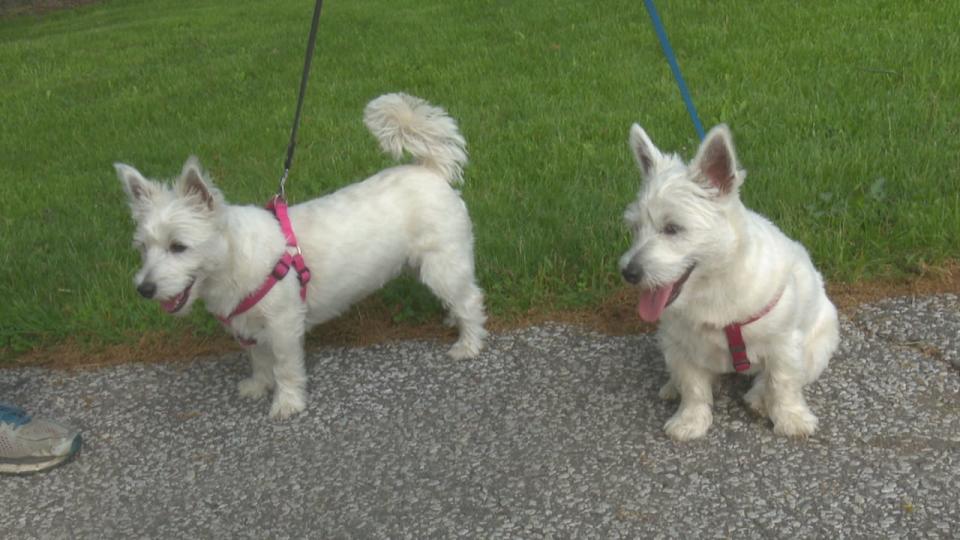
{"type": "Point", "coordinates": [733, 292]}
{"type": "Point", "coordinates": [195, 245]}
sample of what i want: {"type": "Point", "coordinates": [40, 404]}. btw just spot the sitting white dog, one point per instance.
{"type": "Point", "coordinates": [195, 245]}
{"type": "Point", "coordinates": [733, 292]}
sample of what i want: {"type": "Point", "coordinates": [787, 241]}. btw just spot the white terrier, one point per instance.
{"type": "Point", "coordinates": [733, 291]}
{"type": "Point", "coordinates": [195, 245]}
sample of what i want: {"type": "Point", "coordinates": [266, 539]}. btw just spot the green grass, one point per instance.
{"type": "Point", "coordinates": [845, 114]}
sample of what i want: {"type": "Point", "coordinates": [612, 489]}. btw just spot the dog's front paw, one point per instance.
{"type": "Point", "coordinates": [253, 388]}
{"type": "Point", "coordinates": [286, 403]}
{"type": "Point", "coordinates": [795, 423]}
{"type": "Point", "coordinates": [668, 392]}
{"type": "Point", "coordinates": [688, 424]}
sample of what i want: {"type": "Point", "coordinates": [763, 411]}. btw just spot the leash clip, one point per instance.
{"type": "Point", "coordinates": [283, 180]}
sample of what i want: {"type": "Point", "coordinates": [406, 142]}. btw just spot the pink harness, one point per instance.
{"type": "Point", "coordinates": [278, 206]}
{"type": "Point", "coordinates": [735, 342]}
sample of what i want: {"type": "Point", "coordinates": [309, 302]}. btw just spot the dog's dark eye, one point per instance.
{"type": "Point", "coordinates": [671, 229]}
{"type": "Point", "coordinates": [177, 247]}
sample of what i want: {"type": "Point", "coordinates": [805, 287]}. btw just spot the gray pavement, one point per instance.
{"type": "Point", "coordinates": [552, 432]}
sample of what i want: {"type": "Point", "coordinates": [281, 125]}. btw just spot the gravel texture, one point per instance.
{"type": "Point", "coordinates": [929, 324]}
{"type": "Point", "coordinates": [552, 432]}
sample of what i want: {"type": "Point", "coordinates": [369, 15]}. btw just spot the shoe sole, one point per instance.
{"type": "Point", "coordinates": [36, 466]}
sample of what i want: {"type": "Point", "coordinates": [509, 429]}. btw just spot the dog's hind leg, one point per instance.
{"type": "Point", "coordinates": [452, 280]}
{"type": "Point", "coordinates": [468, 312]}
{"type": "Point", "coordinates": [784, 396]}
{"type": "Point", "coordinates": [261, 381]}
{"type": "Point", "coordinates": [669, 392]}
{"type": "Point", "coordinates": [822, 342]}
{"type": "Point", "coordinates": [755, 398]}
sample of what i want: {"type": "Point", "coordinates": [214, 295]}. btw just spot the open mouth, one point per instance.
{"type": "Point", "coordinates": [654, 301]}
{"type": "Point", "coordinates": [176, 303]}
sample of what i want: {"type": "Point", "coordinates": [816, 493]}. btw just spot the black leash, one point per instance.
{"type": "Point", "coordinates": [311, 43]}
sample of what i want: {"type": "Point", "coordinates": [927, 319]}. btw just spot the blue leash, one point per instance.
{"type": "Point", "coordinates": [672, 60]}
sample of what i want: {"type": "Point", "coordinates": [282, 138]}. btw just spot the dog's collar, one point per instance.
{"type": "Point", "coordinates": [278, 206]}
{"type": "Point", "coordinates": [738, 348]}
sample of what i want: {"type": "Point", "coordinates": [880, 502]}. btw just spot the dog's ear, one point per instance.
{"type": "Point", "coordinates": [192, 184]}
{"type": "Point", "coordinates": [644, 151]}
{"type": "Point", "coordinates": [716, 161]}
{"type": "Point", "coordinates": [138, 189]}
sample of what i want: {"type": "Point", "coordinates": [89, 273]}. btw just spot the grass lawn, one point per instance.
{"type": "Point", "coordinates": [846, 114]}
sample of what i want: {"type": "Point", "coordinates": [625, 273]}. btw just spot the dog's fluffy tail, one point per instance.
{"type": "Point", "coordinates": [403, 122]}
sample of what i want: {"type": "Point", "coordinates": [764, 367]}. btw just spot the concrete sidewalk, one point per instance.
{"type": "Point", "coordinates": [552, 432]}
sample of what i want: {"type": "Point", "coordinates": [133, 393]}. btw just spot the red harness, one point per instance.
{"type": "Point", "coordinates": [738, 348]}
{"type": "Point", "coordinates": [278, 206]}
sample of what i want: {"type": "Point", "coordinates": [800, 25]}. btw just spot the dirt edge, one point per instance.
{"type": "Point", "coordinates": [371, 322]}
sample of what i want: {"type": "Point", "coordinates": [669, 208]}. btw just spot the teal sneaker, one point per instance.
{"type": "Point", "coordinates": [29, 445]}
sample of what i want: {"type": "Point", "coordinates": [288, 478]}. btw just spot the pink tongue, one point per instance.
{"type": "Point", "coordinates": [171, 304]}
{"type": "Point", "coordinates": [653, 302]}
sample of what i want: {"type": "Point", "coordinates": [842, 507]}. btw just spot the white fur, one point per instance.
{"type": "Point", "coordinates": [742, 261]}
{"type": "Point", "coordinates": [353, 241]}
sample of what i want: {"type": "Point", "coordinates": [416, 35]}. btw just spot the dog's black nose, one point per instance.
{"type": "Point", "coordinates": [147, 289]}
{"type": "Point", "coordinates": [632, 273]}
